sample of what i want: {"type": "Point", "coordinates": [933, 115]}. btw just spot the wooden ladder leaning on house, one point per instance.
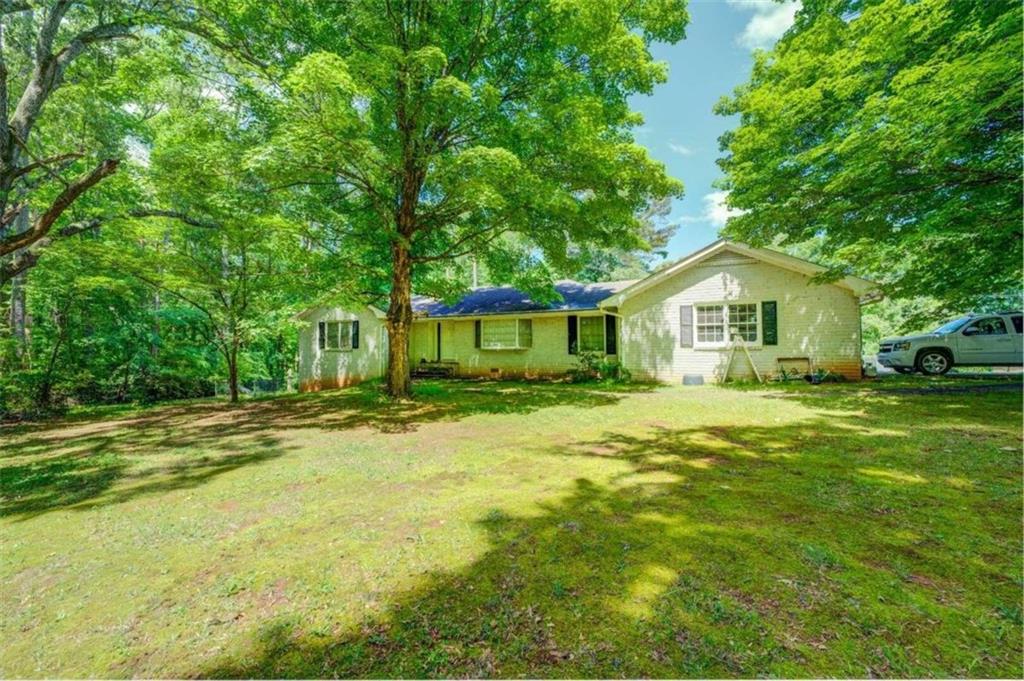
{"type": "Point", "coordinates": [732, 353]}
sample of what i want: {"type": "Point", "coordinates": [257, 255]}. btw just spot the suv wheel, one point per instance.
{"type": "Point", "coordinates": [934, 362]}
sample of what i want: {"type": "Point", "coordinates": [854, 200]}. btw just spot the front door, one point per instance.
{"type": "Point", "coordinates": [448, 344]}
{"type": "Point", "coordinates": [986, 341]}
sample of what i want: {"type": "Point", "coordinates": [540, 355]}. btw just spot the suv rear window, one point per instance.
{"type": "Point", "coordinates": [1018, 323]}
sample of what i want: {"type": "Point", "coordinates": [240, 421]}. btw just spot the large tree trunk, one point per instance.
{"type": "Point", "coordinates": [399, 323]}
{"type": "Point", "coordinates": [19, 312]}
{"type": "Point", "coordinates": [19, 319]}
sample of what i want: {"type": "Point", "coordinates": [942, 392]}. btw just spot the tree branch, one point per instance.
{"type": "Point", "coordinates": [28, 258]}
{"type": "Point", "coordinates": [44, 222]}
{"type": "Point", "coordinates": [21, 262]}
{"type": "Point", "coordinates": [452, 251]}
{"type": "Point", "coordinates": [10, 214]}
{"type": "Point", "coordinates": [172, 214]}
{"type": "Point", "coordinates": [46, 163]}
{"type": "Point", "coordinates": [49, 68]}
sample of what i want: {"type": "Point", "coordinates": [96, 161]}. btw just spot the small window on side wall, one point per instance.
{"type": "Point", "coordinates": [339, 335]}
{"type": "Point", "coordinates": [526, 333]}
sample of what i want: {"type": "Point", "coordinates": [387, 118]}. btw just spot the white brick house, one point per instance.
{"type": "Point", "coordinates": [684, 319]}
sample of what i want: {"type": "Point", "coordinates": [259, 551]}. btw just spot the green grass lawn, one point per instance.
{"type": "Point", "coordinates": [497, 529]}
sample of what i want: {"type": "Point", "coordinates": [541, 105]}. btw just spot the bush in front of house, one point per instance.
{"type": "Point", "coordinates": [595, 366]}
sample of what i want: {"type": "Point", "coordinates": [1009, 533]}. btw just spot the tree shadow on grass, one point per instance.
{"type": "Point", "coordinates": [910, 399]}
{"type": "Point", "coordinates": [83, 464]}
{"type": "Point", "coordinates": [722, 552]}
{"type": "Point", "coordinates": [96, 476]}
{"type": "Point", "coordinates": [367, 406]}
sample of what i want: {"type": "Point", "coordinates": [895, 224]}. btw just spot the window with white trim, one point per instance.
{"type": "Point", "coordinates": [710, 324]}
{"type": "Point", "coordinates": [591, 337]}
{"type": "Point", "coordinates": [506, 334]}
{"type": "Point", "coordinates": [723, 323]}
{"type": "Point", "coordinates": [742, 319]}
{"type": "Point", "coordinates": [338, 336]}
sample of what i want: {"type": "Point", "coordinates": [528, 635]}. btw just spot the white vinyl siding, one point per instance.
{"type": "Point", "coordinates": [546, 336]}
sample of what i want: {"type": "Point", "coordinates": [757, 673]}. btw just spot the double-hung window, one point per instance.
{"type": "Point", "coordinates": [710, 324]}
{"type": "Point", "coordinates": [743, 322]}
{"type": "Point", "coordinates": [720, 324]}
{"type": "Point", "coordinates": [506, 334]}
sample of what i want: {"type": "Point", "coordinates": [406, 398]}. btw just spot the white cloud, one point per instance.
{"type": "Point", "coordinates": [716, 213]}
{"type": "Point", "coordinates": [769, 21]}
{"type": "Point", "coordinates": [680, 149]}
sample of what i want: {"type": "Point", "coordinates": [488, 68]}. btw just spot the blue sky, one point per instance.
{"type": "Point", "coordinates": [679, 128]}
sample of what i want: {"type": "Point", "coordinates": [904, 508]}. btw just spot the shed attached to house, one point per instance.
{"type": "Point", "coordinates": [687, 318]}
{"type": "Point", "coordinates": [339, 347]}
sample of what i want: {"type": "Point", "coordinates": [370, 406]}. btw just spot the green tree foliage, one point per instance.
{"type": "Point", "coordinates": [63, 131]}
{"type": "Point", "coordinates": [236, 267]}
{"type": "Point", "coordinates": [890, 132]}
{"type": "Point", "coordinates": [98, 334]}
{"type": "Point", "coordinates": [610, 263]}
{"type": "Point", "coordinates": [422, 132]}
{"type": "Point", "coordinates": [169, 306]}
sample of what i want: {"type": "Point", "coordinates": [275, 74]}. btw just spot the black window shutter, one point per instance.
{"type": "Point", "coordinates": [476, 333]}
{"type": "Point", "coordinates": [610, 344]}
{"type": "Point", "coordinates": [355, 334]}
{"type": "Point", "coordinates": [770, 322]}
{"type": "Point", "coordinates": [686, 326]}
{"type": "Point", "coordinates": [573, 331]}
{"type": "Point", "coordinates": [322, 327]}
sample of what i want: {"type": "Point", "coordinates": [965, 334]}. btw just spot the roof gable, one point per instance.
{"type": "Point", "coordinates": [725, 258]}
{"type": "Point", "coordinates": [722, 253]}
{"type": "Point", "coordinates": [377, 312]}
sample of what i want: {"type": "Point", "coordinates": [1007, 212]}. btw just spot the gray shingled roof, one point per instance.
{"type": "Point", "coordinates": [507, 300]}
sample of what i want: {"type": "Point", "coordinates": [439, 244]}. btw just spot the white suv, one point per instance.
{"type": "Point", "coordinates": [975, 340]}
